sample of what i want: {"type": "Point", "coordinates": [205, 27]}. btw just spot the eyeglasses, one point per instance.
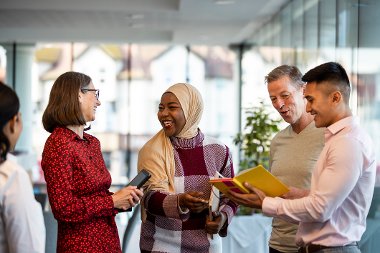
{"type": "Point", "coordinates": [96, 92]}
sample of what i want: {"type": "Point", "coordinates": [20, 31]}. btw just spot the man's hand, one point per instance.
{"type": "Point", "coordinates": [252, 199]}
{"type": "Point", "coordinates": [295, 193]}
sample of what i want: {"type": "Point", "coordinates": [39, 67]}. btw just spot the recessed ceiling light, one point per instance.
{"type": "Point", "coordinates": [224, 2]}
{"type": "Point", "coordinates": [134, 16]}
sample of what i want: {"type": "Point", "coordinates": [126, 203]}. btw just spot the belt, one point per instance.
{"type": "Point", "coordinates": [311, 248]}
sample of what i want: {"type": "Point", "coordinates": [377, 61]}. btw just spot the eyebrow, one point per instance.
{"type": "Point", "coordinates": [171, 103]}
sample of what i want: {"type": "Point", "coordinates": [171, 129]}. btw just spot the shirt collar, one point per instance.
{"type": "Point", "coordinates": [340, 124]}
{"type": "Point", "coordinates": [73, 136]}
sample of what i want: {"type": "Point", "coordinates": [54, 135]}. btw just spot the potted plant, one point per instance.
{"type": "Point", "coordinates": [254, 140]}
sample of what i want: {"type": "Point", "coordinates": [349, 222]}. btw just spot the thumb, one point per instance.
{"type": "Point", "coordinates": [249, 187]}
{"type": "Point", "coordinates": [259, 193]}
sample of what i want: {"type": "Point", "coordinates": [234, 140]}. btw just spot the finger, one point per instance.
{"type": "Point", "coordinates": [260, 194]}
{"type": "Point", "coordinates": [195, 194]}
{"type": "Point", "coordinates": [139, 192]}
{"type": "Point", "coordinates": [249, 187]}
{"type": "Point", "coordinates": [211, 228]}
{"type": "Point", "coordinates": [131, 202]}
{"type": "Point", "coordinates": [234, 196]}
{"type": "Point", "coordinates": [216, 214]}
{"type": "Point", "coordinates": [130, 187]}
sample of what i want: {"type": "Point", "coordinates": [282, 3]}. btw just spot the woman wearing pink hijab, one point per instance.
{"type": "Point", "coordinates": [181, 160]}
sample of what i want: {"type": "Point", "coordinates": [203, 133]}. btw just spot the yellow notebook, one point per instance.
{"type": "Point", "coordinates": [258, 176]}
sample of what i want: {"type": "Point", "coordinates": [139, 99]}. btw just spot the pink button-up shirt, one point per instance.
{"type": "Point", "coordinates": [342, 184]}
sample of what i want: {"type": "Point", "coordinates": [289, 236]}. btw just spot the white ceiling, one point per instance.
{"type": "Point", "coordinates": [136, 21]}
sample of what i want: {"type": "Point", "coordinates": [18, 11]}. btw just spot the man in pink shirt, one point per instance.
{"type": "Point", "coordinates": [332, 218]}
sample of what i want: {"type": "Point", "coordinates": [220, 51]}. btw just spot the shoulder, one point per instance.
{"type": "Point", "coordinates": [91, 138]}
{"type": "Point", "coordinates": [154, 144]}
{"type": "Point", "coordinates": [214, 145]}
{"type": "Point", "coordinates": [209, 140]}
{"type": "Point", "coordinates": [58, 142]}
{"type": "Point", "coordinates": [10, 170]}
{"type": "Point", "coordinates": [8, 167]}
{"type": "Point", "coordinates": [282, 133]}
{"type": "Point", "coordinates": [58, 136]}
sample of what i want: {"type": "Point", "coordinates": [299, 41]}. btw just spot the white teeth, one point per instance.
{"type": "Point", "coordinates": [167, 123]}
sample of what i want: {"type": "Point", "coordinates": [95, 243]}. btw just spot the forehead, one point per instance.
{"type": "Point", "coordinates": [91, 85]}
{"type": "Point", "coordinates": [284, 84]}
{"type": "Point", "coordinates": [169, 97]}
{"type": "Point", "coordinates": [311, 89]}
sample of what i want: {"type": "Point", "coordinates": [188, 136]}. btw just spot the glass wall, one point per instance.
{"type": "Point", "coordinates": [131, 79]}
{"type": "Point", "coordinates": [307, 33]}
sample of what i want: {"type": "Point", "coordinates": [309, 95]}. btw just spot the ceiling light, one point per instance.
{"type": "Point", "coordinates": [134, 16]}
{"type": "Point", "coordinates": [224, 2]}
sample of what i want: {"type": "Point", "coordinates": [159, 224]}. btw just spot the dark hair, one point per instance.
{"type": "Point", "coordinates": [9, 107]}
{"type": "Point", "coordinates": [292, 72]}
{"type": "Point", "coordinates": [331, 73]}
{"type": "Point", "coordinates": [63, 108]}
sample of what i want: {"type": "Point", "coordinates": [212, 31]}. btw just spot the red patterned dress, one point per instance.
{"type": "Point", "coordinates": [78, 188]}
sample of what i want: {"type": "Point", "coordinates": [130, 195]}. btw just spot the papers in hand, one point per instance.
{"type": "Point", "coordinates": [258, 177]}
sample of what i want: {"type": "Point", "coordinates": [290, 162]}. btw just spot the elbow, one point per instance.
{"type": "Point", "coordinates": [320, 211]}
{"type": "Point", "coordinates": [321, 216]}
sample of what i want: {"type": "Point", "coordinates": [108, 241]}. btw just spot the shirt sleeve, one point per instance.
{"type": "Point", "coordinates": [342, 165]}
{"type": "Point", "coordinates": [22, 214]}
{"type": "Point", "coordinates": [68, 203]}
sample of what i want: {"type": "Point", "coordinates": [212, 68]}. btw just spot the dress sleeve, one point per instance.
{"type": "Point", "coordinates": [22, 214]}
{"type": "Point", "coordinates": [67, 202]}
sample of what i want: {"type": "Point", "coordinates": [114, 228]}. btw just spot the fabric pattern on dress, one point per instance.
{"type": "Point", "coordinates": [77, 183]}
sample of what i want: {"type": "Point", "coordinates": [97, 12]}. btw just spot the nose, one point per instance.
{"type": "Point", "coordinates": [279, 104]}
{"type": "Point", "coordinates": [163, 112]}
{"type": "Point", "coordinates": [308, 107]}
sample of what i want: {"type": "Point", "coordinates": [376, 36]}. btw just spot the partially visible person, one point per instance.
{"type": "Point", "coordinates": [181, 160]}
{"type": "Point", "coordinates": [77, 179]}
{"type": "Point", "coordinates": [22, 228]}
{"type": "Point", "coordinates": [332, 217]}
{"type": "Point", "coordinates": [300, 140]}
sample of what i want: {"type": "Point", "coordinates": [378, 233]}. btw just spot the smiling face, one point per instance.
{"type": "Point", "coordinates": [322, 103]}
{"type": "Point", "coordinates": [88, 103]}
{"type": "Point", "coordinates": [287, 99]}
{"type": "Point", "coordinates": [170, 114]}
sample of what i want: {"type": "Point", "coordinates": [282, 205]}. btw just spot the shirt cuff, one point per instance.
{"type": "Point", "coordinates": [182, 211]}
{"type": "Point", "coordinates": [270, 206]}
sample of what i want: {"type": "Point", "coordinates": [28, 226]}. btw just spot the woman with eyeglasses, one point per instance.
{"type": "Point", "coordinates": [22, 228]}
{"type": "Point", "coordinates": [77, 179]}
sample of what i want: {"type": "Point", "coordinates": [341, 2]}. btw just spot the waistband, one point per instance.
{"type": "Point", "coordinates": [311, 248]}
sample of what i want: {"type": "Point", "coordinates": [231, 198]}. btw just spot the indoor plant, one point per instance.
{"type": "Point", "coordinates": [254, 140]}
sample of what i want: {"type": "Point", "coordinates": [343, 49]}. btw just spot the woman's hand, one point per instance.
{"type": "Point", "coordinates": [214, 225]}
{"type": "Point", "coordinates": [127, 197]}
{"type": "Point", "coordinates": [192, 201]}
